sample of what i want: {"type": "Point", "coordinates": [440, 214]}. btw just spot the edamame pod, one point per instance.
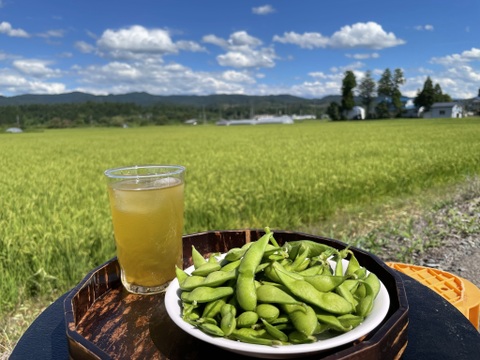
{"type": "Point", "coordinates": [274, 332]}
{"type": "Point", "coordinates": [254, 337]}
{"type": "Point", "coordinates": [204, 294]}
{"type": "Point", "coordinates": [302, 317]}
{"type": "Point", "coordinates": [328, 301]}
{"type": "Point", "coordinates": [245, 289]}
{"type": "Point", "coordinates": [268, 312]}
{"type": "Point", "coordinates": [206, 268]}
{"type": "Point", "coordinates": [197, 258]}
{"type": "Point", "coordinates": [271, 294]}
{"type": "Point", "coordinates": [325, 283]}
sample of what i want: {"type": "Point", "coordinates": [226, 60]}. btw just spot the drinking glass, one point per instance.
{"type": "Point", "coordinates": [147, 206]}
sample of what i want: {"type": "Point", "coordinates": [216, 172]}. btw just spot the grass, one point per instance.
{"type": "Point", "coordinates": [345, 180]}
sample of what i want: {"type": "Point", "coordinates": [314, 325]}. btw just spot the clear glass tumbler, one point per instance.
{"type": "Point", "coordinates": [147, 205]}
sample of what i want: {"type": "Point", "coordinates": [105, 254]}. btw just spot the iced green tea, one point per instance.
{"type": "Point", "coordinates": [147, 216]}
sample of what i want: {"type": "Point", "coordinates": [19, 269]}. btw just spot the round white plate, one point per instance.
{"type": "Point", "coordinates": [378, 313]}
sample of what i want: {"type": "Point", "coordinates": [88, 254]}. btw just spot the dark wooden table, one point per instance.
{"type": "Point", "coordinates": [437, 330]}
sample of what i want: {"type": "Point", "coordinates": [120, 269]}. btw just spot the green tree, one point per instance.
{"type": "Point", "coordinates": [439, 95]}
{"type": "Point", "coordinates": [425, 97]}
{"type": "Point", "coordinates": [382, 110]}
{"type": "Point", "coordinates": [333, 111]}
{"type": "Point", "coordinates": [396, 95]}
{"type": "Point", "coordinates": [367, 92]}
{"type": "Point", "coordinates": [348, 84]}
{"type": "Point", "coordinates": [385, 84]}
{"type": "Point", "coordinates": [389, 90]}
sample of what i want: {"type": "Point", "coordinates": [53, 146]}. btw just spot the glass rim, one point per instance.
{"type": "Point", "coordinates": [173, 170]}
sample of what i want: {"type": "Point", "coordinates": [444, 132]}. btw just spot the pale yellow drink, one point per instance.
{"type": "Point", "coordinates": [148, 225]}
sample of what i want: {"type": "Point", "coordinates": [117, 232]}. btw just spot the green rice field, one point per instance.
{"type": "Point", "coordinates": [55, 219]}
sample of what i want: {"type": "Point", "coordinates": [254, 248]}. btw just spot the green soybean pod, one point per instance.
{"type": "Point", "coordinates": [350, 320]}
{"type": "Point", "coordinates": [314, 248]}
{"type": "Point", "coordinates": [297, 337]}
{"type": "Point", "coordinates": [197, 258]}
{"type": "Point", "coordinates": [245, 289]}
{"type": "Point", "coordinates": [255, 337]}
{"type": "Point", "coordinates": [268, 312]}
{"type": "Point", "coordinates": [237, 253]}
{"type": "Point", "coordinates": [365, 305]}
{"type": "Point", "coordinates": [191, 282]}
{"type": "Point", "coordinates": [344, 292]}
{"type": "Point", "coordinates": [228, 266]}
{"type": "Point", "coordinates": [228, 323]}
{"type": "Point", "coordinates": [329, 301]}
{"type": "Point", "coordinates": [325, 283]}
{"type": "Point", "coordinates": [213, 308]}
{"type": "Point", "coordinates": [206, 268]}
{"type": "Point", "coordinates": [204, 294]}
{"type": "Point", "coordinates": [274, 332]}
{"type": "Point", "coordinates": [303, 321]}
{"type": "Point", "coordinates": [247, 319]}
{"type": "Point", "coordinates": [332, 321]}
{"type": "Point", "coordinates": [246, 293]}
{"type": "Point", "coordinates": [211, 329]}
{"type": "Point", "coordinates": [353, 264]}
{"type": "Point", "coordinates": [312, 271]}
{"type": "Point", "coordinates": [181, 274]}
{"type": "Point", "coordinates": [270, 294]}
{"type": "Point", "coordinates": [374, 283]}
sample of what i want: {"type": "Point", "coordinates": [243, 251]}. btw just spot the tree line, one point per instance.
{"type": "Point", "coordinates": [118, 114]}
{"type": "Point", "coordinates": [382, 99]}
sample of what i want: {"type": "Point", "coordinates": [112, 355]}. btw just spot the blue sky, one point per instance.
{"type": "Point", "coordinates": [301, 47]}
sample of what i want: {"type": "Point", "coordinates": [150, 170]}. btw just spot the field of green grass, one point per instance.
{"type": "Point", "coordinates": [54, 214]}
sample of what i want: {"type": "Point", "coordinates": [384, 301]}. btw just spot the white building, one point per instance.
{"type": "Point", "coordinates": [261, 120]}
{"type": "Point", "coordinates": [14, 130]}
{"type": "Point", "coordinates": [357, 113]}
{"type": "Point", "coordinates": [444, 110]}
{"type": "Point", "coordinates": [304, 117]}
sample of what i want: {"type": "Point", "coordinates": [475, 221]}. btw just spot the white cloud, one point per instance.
{"type": "Point", "coordinates": [263, 10]}
{"type": "Point", "coordinates": [368, 35]}
{"type": "Point", "coordinates": [424, 27]}
{"type": "Point", "coordinates": [190, 46]}
{"type": "Point", "coordinates": [52, 34]}
{"type": "Point", "coordinates": [308, 40]}
{"type": "Point", "coordinates": [6, 28]}
{"type": "Point", "coordinates": [215, 40]}
{"type": "Point", "coordinates": [35, 68]}
{"type": "Point", "coordinates": [84, 47]}
{"type": "Point", "coordinates": [247, 59]}
{"type": "Point", "coordinates": [322, 85]}
{"type": "Point", "coordinates": [243, 51]}
{"type": "Point", "coordinates": [137, 41]}
{"type": "Point", "coordinates": [238, 77]}
{"type": "Point", "coordinates": [242, 39]}
{"type": "Point", "coordinates": [466, 56]}
{"type": "Point", "coordinates": [363, 56]}
{"type": "Point", "coordinates": [16, 84]}
{"type": "Point", "coordinates": [159, 78]}
{"type": "Point", "coordinates": [472, 55]}
{"type": "Point", "coordinates": [459, 76]}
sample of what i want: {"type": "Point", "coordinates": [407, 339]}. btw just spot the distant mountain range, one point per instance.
{"type": "Point", "coordinates": [145, 99]}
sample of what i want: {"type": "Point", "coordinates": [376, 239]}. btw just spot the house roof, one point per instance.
{"type": "Point", "coordinates": [444, 104]}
